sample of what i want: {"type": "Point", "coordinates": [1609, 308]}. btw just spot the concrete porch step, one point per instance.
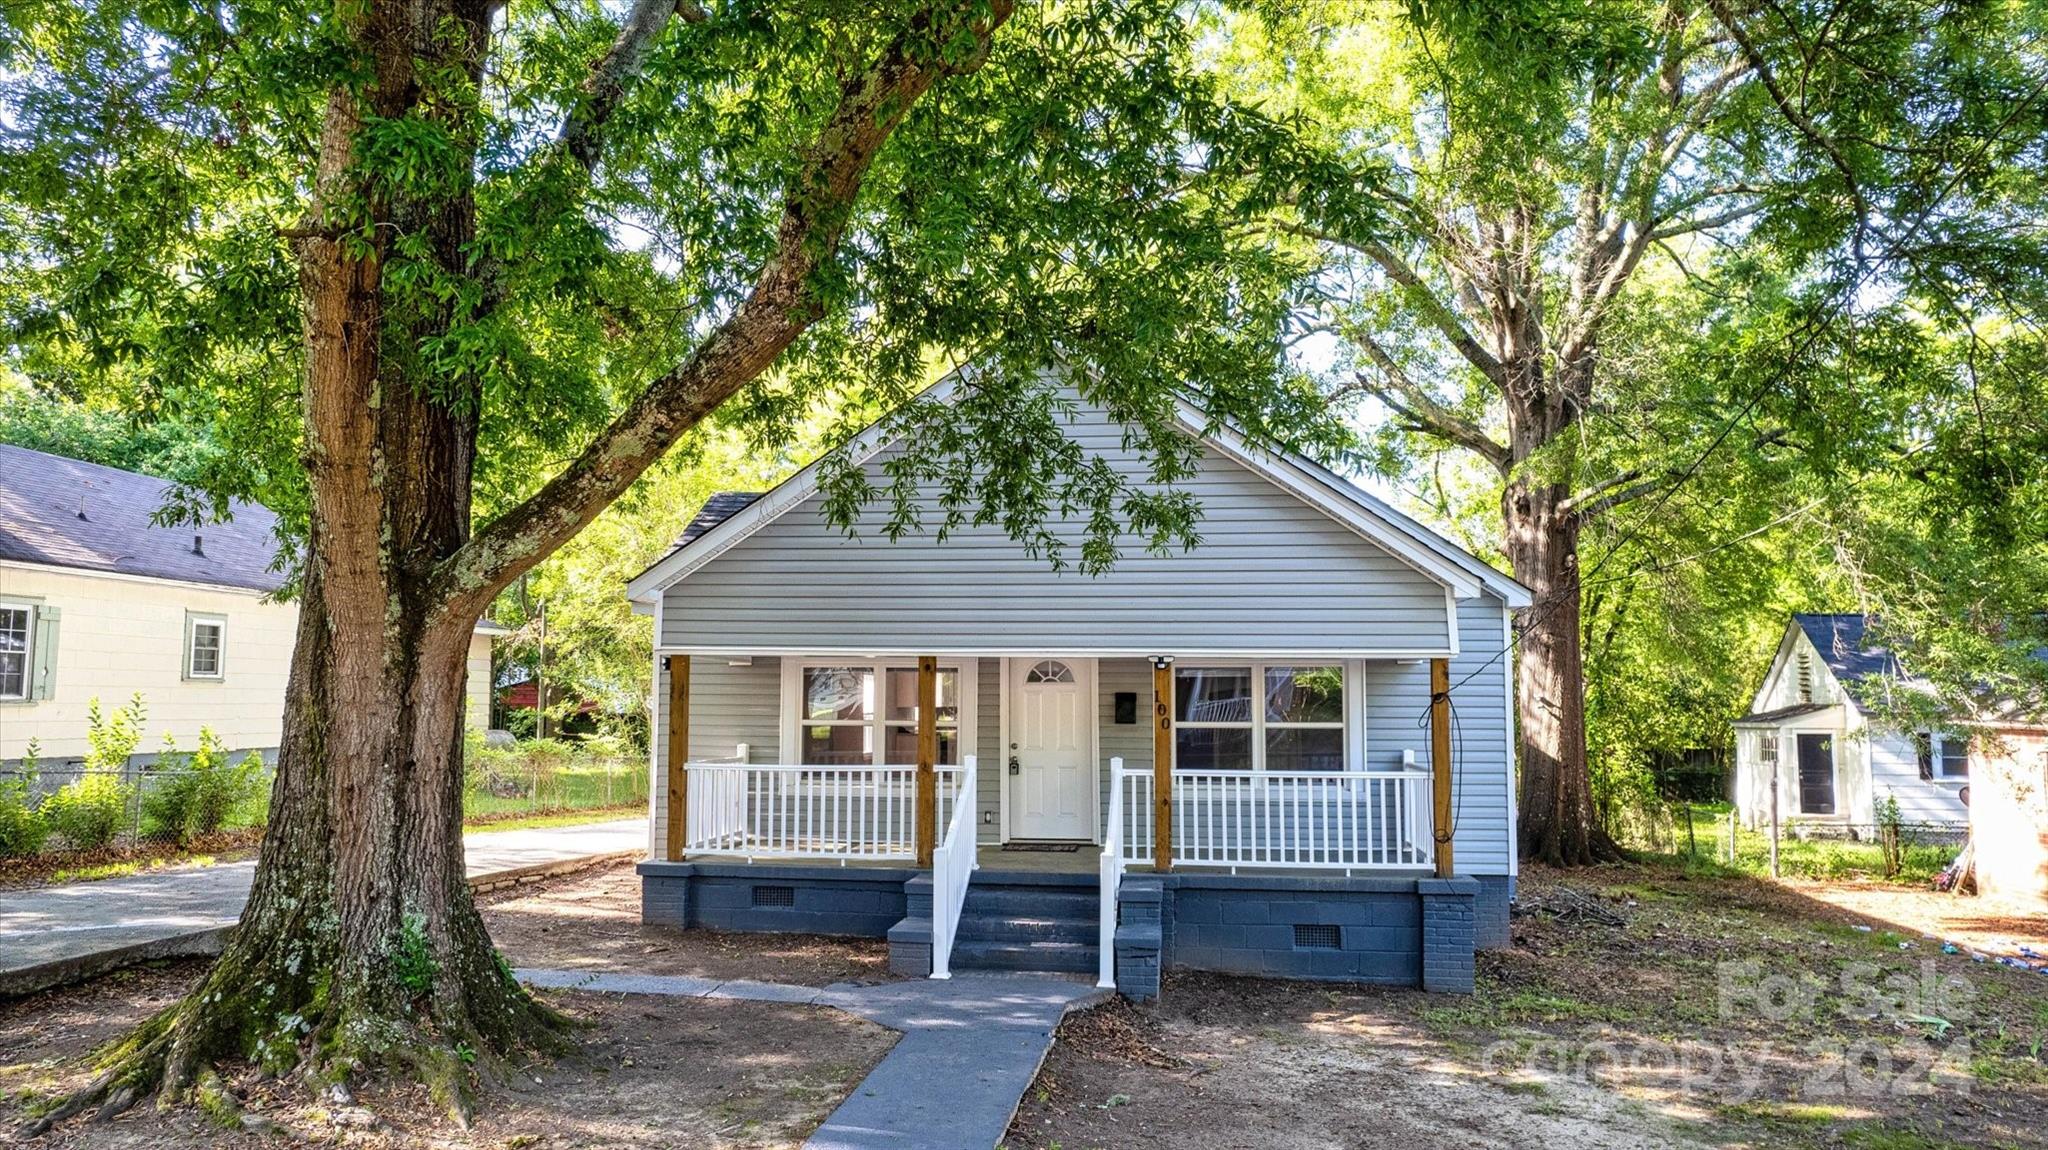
{"type": "Point", "coordinates": [1046, 955]}
{"type": "Point", "coordinates": [1030, 902]}
{"type": "Point", "coordinates": [1027, 928]}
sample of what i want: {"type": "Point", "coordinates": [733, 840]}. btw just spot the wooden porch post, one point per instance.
{"type": "Point", "coordinates": [1440, 762]}
{"type": "Point", "coordinates": [1162, 763]}
{"type": "Point", "coordinates": [678, 753]}
{"type": "Point", "coordinates": [927, 757]}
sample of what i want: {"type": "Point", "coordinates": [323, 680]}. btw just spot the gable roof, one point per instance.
{"type": "Point", "coordinates": [1370, 517]}
{"type": "Point", "coordinates": [1862, 670]}
{"type": "Point", "coordinates": [59, 512]}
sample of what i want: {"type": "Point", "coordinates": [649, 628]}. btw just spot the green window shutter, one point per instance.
{"type": "Point", "coordinates": [43, 676]}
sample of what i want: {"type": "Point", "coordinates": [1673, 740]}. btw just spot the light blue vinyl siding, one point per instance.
{"type": "Point", "coordinates": [1397, 702]}
{"type": "Point", "coordinates": [1271, 573]}
{"type": "Point", "coordinates": [728, 706]}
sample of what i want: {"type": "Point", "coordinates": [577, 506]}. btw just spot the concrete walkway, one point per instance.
{"type": "Point", "coordinates": [971, 1046]}
{"type": "Point", "coordinates": [56, 934]}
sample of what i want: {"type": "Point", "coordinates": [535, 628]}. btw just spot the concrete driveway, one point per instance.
{"type": "Point", "coordinates": [54, 934]}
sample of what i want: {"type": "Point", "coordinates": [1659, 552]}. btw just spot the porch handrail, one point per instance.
{"type": "Point", "coordinates": [1287, 820]}
{"type": "Point", "coordinates": [952, 870]}
{"type": "Point", "coordinates": [1112, 875]}
{"type": "Point", "coordinates": [860, 813]}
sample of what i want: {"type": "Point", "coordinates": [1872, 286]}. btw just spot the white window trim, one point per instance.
{"type": "Point", "coordinates": [1351, 684]}
{"type": "Point", "coordinates": [793, 721]}
{"type": "Point", "coordinates": [1936, 743]}
{"type": "Point", "coordinates": [28, 651]}
{"type": "Point", "coordinates": [193, 621]}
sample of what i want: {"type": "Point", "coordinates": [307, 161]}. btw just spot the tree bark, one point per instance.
{"type": "Point", "coordinates": [1556, 813]}
{"type": "Point", "coordinates": [360, 947]}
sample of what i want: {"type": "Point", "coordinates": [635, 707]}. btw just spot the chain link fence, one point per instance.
{"type": "Point", "coordinates": [78, 809]}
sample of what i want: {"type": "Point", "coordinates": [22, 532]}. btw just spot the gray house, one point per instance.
{"type": "Point", "coordinates": [1225, 758]}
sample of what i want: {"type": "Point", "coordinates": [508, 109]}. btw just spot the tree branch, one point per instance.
{"type": "Point", "coordinates": [582, 134]}
{"type": "Point", "coordinates": [780, 307]}
{"type": "Point", "coordinates": [1428, 413]}
{"type": "Point", "coordinates": [1439, 314]}
{"type": "Point", "coordinates": [1610, 493]}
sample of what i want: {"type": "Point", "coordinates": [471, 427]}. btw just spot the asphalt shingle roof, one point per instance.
{"type": "Point", "coordinates": [1841, 642]}
{"type": "Point", "coordinates": [716, 510]}
{"type": "Point", "coordinates": [62, 512]}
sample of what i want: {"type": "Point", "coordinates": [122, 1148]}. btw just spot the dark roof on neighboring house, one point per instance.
{"type": "Point", "coordinates": [1764, 718]}
{"type": "Point", "coordinates": [61, 512]}
{"type": "Point", "coordinates": [1858, 667]}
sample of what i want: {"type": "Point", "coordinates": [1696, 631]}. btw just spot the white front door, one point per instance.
{"type": "Point", "coordinates": [1051, 767]}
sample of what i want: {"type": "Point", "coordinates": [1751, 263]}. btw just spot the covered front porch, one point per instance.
{"type": "Point", "coordinates": [993, 773]}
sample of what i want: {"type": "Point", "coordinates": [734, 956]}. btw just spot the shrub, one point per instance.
{"type": "Point", "coordinates": [112, 739]}
{"type": "Point", "coordinates": [202, 791]}
{"type": "Point", "coordinates": [22, 829]}
{"type": "Point", "coordinates": [87, 814]}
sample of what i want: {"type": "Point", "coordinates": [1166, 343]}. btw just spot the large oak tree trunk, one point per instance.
{"type": "Point", "coordinates": [1556, 821]}
{"type": "Point", "coordinates": [360, 945]}
{"type": "Point", "coordinates": [1556, 816]}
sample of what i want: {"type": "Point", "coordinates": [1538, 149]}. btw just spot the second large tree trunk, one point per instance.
{"type": "Point", "coordinates": [1557, 823]}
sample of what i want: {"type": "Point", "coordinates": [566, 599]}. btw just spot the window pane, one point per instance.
{"type": "Point", "coordinates": [206, 648]}
{"type": "Point", "coordinates": [902, 747]}
{"type": "Point", "coordinates": [13, 652]}
{"type": "Point", "coordinates": [838, 745]}
{"type": "Point", "coordinates": [1955, 756]}
{"type": "Point", "coordinates": [1212, 695]}
{"type": "Point", "coordinates": [903, 694]}
{"type": "Point", "coordinates": [1305, 694]}
{"type": "Point", "coordinates": [1304, 749]}
{"type": "Point", "coordinates": [1050, 671]}
{"type": "Point", "coordinates": [1213, 749]}
{"type": "Point", "coordinates": [838, 692]}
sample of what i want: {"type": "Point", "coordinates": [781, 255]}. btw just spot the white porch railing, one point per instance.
{"type": "Point", "coordinates": [953, 863]}
{"type": "Point", "coordinates": [777, 811]}
{"type": "Point", "coordinates": [1112, 880]}
{"type": "Point", "coordinates": [1327, 820]}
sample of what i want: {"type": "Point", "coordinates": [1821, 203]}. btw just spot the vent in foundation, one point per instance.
{"type": "Point", "coordinates": [1317, 937]}
{"type": "Point", "coordinates": [774, 896]}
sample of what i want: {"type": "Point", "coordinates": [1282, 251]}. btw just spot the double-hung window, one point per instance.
{"type": "Point", "coordinates": [1943, 755]}
{"type": "Point", "coordinates": [851, 713]}
{"type": "Point", "coordinates": [17, 638]}
{"type": "Point", "coordinates": [1282, 717]}
{"type": "Point", "coordinates": [205, 646]}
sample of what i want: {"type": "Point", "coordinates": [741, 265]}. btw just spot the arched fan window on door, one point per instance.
{"type": "Point", "coordinates": [1049, 671]}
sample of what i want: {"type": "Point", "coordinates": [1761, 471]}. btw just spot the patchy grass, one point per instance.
{"type": "Point", "coordinates": [1722, 1011]}
{"type": "Point", "coordinates": [518, 822]}
{"type": "Point", "coordinates": [123, 869]}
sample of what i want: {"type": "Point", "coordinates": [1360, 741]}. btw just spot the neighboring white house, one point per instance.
{"type": "Point", "coordinates": [1814, 723]}
{"type": "Point", "coordinates": [98, 602]}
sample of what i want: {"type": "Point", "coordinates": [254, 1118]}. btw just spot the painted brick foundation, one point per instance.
{"type": "Point", "coordinates": [1490, 911]}
{"type": "Point", "coordinates": [863, 902]}
{"type": "Point", "coordinates": [1396, 931]}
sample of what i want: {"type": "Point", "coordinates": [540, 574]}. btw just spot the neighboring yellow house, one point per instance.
{"type": "Point", "coordinates": [98, 602]}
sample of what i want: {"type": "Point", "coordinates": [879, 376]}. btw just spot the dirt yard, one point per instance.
{"type": "Point", "coordinates": [1986, 925]}
{"type": "Point", "coordinates": [1638, 1008]}
{"type": "Point", "coordinates": [650, 1072]}
{"type": "Point", "coordinates": [591, 921]}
